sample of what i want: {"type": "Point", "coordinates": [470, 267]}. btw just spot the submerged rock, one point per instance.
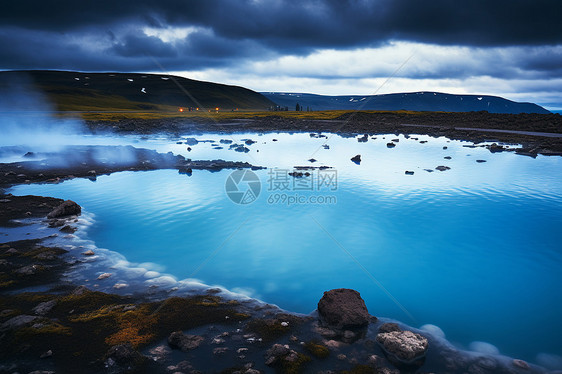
{"type": "Point", "coordinates": [184, 342]}
{"type": "Point", "coordinates": [67, 208]}
{"type": "Point", "coordinates": [403, 346]}
{"type": "Point", "coordinates": [389, 327]}
{"type": "Point", "coordinates": [442, 168]}
{"type": "Point", "coordinates": [343, 309]}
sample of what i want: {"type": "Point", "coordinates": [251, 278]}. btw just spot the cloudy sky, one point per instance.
{"type": "Point", "coordinates": [511, 48]}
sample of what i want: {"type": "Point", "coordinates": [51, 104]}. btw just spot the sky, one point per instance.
{"type": "Point", "coordinates": [509, 48]}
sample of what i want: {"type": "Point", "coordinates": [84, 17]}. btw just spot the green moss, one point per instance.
{"type": "Point", "coordinates": [52, 328]}
{"type": "Point", "coordinates": [40, 252]}
{"type": "Point", "coordinates": [88, 301]}
{"type": "Point", "coordinates": [317, 350]}
{"type": "Point", "coordinates": [361, 369]}
{"type": "Point", "coordinates": [267, 329]}
{"type": "Point", "coordinates": [7, 284]}
{"type": "Point", "coordinates": [296, 366]}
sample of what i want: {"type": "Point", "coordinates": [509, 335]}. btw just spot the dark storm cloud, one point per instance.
{"type": "Point", "coordinates": [313, 22]}
{"type": "Point", "coordinates": [108, 35]}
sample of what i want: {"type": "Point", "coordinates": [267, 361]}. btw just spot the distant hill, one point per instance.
{"type": "Point", "coordinates": [416, 101]}
{"type": "Point", "coordinates": [131, 91]}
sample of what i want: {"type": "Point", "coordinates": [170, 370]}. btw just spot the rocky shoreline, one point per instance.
{"type": "Point", "coordinates": [536, 133]}
{"type": "Point", "coordinates": [70, 328]}
{"type": "Point", "coordinates": [52, 326]}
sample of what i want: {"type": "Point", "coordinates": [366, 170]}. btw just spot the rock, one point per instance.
{"type": "Point", "coordinates": [184, 342]}
{"type": "Point", "coordinates": [389, 327]}
{"type": "Point", "coordinates": [118, 286]}
{"type": "Point", "coordinates": [160, 353]}
{"type": "Point", "coordinates": [312, 160]}
{"type": "Point", "coordinates": [363, 139]}
{"type": "Point", "coordinates": [249, 142]}
{"type": "Point", "coordinates": [521, 364]}
{"type": "Point", "coordinates": [447, 157]}
{"type": "Point", "coordinates": [480, 161]}
{"type": "Point", "coordinates": [56, 223]}
{"type": "Point", "coordinates": [17, 322]}
{"type": "Point", "coordinates": [220, 351]}
{"type": "Point", "coordinates": [396, 140]}
{"type": "Point", "coordinates": [44, 308]}
{"type": "Point", "coordinates": [27, 270]}
{"type": "Point", "coordinates": [191, 141]}
{"type": "Point", "coordinates": [390, 145]}
{"type": "Point", "coordinates": [47, 354]}
{"type": "Point", "coordinates": [349, 335]}
{"type": "Point", "coordinates": [68, 229]}
{"type": "Point", "coordinates": [275, 353]}
{"type": "Point", "coordinates": [442, 168]}
{"type": "Point", "coordinates": [67, 208]}
{"type": "Point", "coordinates": [356, 159]}
{"type": "Point", "coordinates": [89, 252]}
{"type": "Point", "coordinates": [494, 148]}
{"type": "Point", "coordinates": [408, 172]}
{"type": "Point", "coordinates": [343, 309]}
{"type": "Point", "coordinates": [123, 354]}
{"type": "Point", "coordinates": [404, 346]}
{"type": "Point", "coordinates": [80, 290]}
{"type": "Point", "coordinates": [104, 276]}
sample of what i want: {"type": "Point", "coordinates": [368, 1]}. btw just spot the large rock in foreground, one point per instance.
{"type": "Point", "coordinates": [343, 308]}
{"type": "Point", "coordinates": [67, 208]}
{"type": "Point", "coordinates": [403, 346]}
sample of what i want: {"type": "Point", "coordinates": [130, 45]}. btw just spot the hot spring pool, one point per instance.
{"type": "Point", "coordinates": [475, 250]}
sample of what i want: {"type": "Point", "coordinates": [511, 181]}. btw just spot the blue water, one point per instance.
{"type": "Point", "coordinates": [475, 250]}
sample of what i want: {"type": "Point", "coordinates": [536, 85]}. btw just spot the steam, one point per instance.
{"type": "Point", "coordinates": [29, 122]}
{"type": "Point", "coordinates": [27, 118]}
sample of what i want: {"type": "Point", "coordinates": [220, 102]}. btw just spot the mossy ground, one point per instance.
{"type": "Point", "coordinates": [85, 326]}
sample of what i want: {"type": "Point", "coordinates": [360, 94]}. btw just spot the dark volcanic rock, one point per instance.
{"type": "Point", "coordinates": [17, 322]}
{"type": "Point", "coordinates": [343, 308]}
{"type": "Point", "coordinates": [403, 346]}
{"type": "Point", "coordinates": [356, 159]}
{"type": "Point", "coordinates": [389, 327]}
{"type": "Point", "coordinates": [67, 208]}
{"type": "Point", "coordinates": [123, 354]}
{"type": "Point", "coordinates": [44, 307]}
{"type": "Point", "coordinates": [184, 342]}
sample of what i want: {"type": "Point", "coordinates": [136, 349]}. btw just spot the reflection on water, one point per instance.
{"type": "Point", "coordinates": [475, 249]}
